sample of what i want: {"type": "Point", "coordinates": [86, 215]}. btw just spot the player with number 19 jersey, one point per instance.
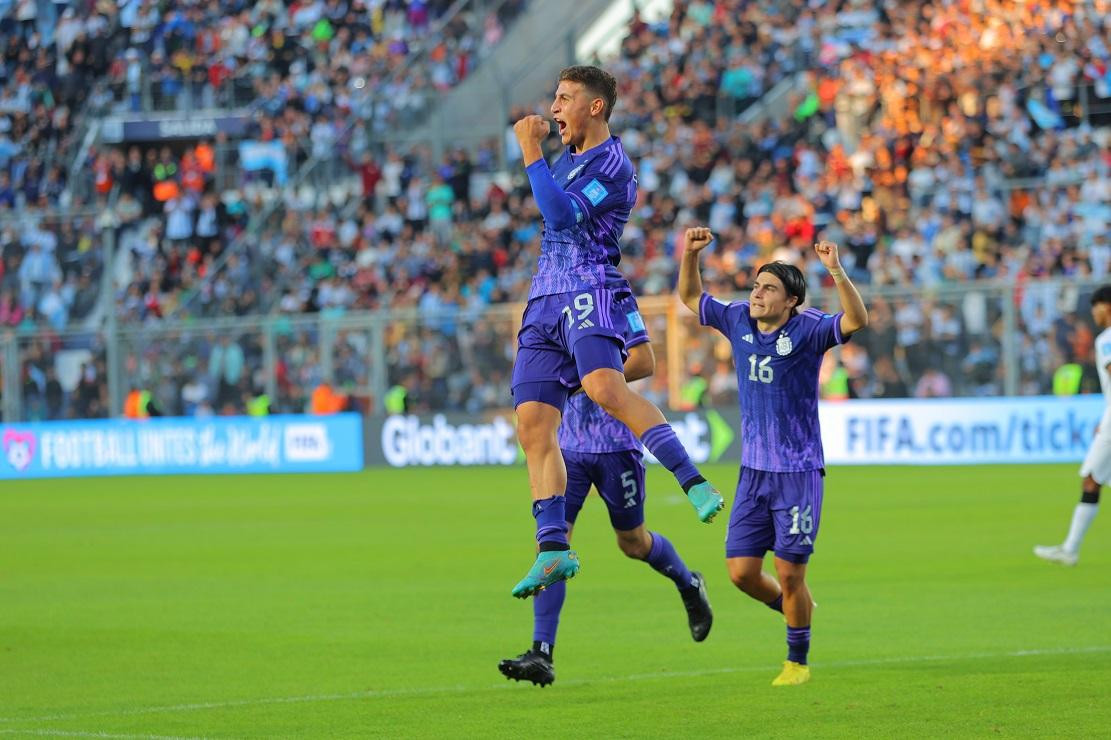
{"type": "Point", "coordinates": [585, 426]}
{"type": "Point", "coordinates": [603, 189]}
{"type": "Point", "coordinates": [577, 286]}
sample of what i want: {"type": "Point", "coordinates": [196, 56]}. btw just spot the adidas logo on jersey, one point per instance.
{"type": "Point", "coordinates": [807, 540]}
{"type": "Point", "coordinates": [747, 338]}
{"type": "Point", "coordinates": [586, 324]}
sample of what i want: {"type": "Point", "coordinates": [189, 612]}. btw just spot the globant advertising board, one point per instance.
{"type": "Point", "coordinates": [860, 432]}
{"type": "Point", "coordinates": [182, 446]}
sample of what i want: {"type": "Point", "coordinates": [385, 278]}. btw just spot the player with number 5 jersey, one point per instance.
{"type": "Point", "coordinates": [572, 329]}
{"type": "Point", "coordinates": [778, 350]}
{"type": "Point", "coordinates": [602, 453]}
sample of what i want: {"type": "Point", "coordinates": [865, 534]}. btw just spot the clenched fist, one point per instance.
{"type": "Point", "coordinates": [697, 238]}
{"type": "Point", "coordinates": [531, 129]}
{"type": "Point", "coordinates": [827, 253]}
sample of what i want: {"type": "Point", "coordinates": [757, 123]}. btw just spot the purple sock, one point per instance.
{"type": "Point", "coordinates": [665, 560]}
{"type": "Point", "coordinates": [546, 606]}
{"type": "Point", "coordinates": [666, 447]}
{"type": "Point", "coordinates": [798, 644]}
{"type": "Point", "coordinates": [776, 604]}
{"type": "Point", "coordinates": [551, 521]}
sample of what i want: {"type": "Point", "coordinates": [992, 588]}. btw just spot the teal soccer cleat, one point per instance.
{"type": "Point", "coordinates": [550, 567]}
{"type": "Point", "coordinates": [707, 502]}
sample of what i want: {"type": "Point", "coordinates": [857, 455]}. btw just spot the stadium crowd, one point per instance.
{"type": "Point", "coordinates": [938, 143]}
{"type": "Point", "coordinates": [304, 71]}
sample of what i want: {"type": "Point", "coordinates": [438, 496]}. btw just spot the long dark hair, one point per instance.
{"type": "Point", "coordinates": [791, 277]}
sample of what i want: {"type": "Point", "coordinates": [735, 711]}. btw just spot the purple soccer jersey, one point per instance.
{"type": "Point", "coordinates": [602, 186]}
{"type": "Point", "coordinates": [777, 379]}
{"type": "Point", "coordinates": [586, 427]}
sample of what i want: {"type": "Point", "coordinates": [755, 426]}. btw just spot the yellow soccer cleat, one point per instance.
{"type": "Point", "coordinates": [793, 674]}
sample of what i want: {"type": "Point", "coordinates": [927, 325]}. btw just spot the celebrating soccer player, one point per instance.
{"type": "Point", "coordinates": [1096, 469]}
{"type": "Point", "coordinates": [777, 350]}
{"type": "Point", "coordinates": [601, 451]}
{"type": "Point", "coordinates": [571, 332]}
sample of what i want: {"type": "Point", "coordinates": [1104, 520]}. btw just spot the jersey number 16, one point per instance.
{"type": "Point", "coordinates": [762, 372]}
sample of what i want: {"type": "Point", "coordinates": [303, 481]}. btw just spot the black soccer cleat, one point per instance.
{"type": "Point", "coordinates": [700, 616]}
{"type": "Point", "coordinates": [529, 666]}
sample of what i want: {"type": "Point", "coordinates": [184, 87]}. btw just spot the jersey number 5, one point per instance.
{"type": "Point", "coordinates": [629, 482]}
{"type": "Point", "coordinates": [762, 372]}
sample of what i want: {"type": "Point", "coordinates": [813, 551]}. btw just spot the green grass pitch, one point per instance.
{"type": "Point", "coordinates": [377, 605]}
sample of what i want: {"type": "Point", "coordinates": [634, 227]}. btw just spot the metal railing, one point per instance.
{"type": "Point", "coordinates": [968, 339]}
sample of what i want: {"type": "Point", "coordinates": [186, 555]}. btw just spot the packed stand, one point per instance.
{"type": "Point", "coordinates": [863, 158]}
{"type": "Point", "coordinates": [900, 103]}
{"type": "Point", "coordinates": [853, 162]}
{"type": "Point", "coordinates": [52, 238]}
{"type": "Point", "coordinates": [934, 147]}
{"type": "Point", "coordinates": [304, 69]}
{"type": "Point", "coordinates": [305, 72]}
{"type": "Point", "coordinates": [49, 69]}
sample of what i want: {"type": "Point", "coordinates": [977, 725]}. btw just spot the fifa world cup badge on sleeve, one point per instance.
{"type": "Point", "coordinates": [595, 192]}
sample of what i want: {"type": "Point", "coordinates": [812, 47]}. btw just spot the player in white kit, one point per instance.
{"type": "Point", "coordinates": [1096, 469]}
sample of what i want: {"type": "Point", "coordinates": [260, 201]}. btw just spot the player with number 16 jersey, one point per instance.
{"type": "Point", "coordinates": [777, 349]}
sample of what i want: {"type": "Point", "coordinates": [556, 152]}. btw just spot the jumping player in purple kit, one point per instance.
{"type": "Point", "coordinates": [571, 332]}
{"type": "Point", "coordinates": [601, 451]}
{"type": "Point", "coordinates": [777, 350]}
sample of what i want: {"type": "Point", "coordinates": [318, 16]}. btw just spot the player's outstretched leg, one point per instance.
{"type": "Point", "coordinates": [664, 559]}
{"type": "Point", "coordinates": [608, 389]}
{"type": "Point", "coordinates": [556, 561]}
{"type": "Point", "coordinates": [536, 664]}
{"type": "Point", "coordinates": [657, 551]}
{"type": "Point", "coordinates": [537, 422]}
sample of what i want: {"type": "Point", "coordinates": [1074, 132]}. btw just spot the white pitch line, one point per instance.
{"type": "Point", "coordinates": [458, 689]}
{"type": "Point", "coordinates": [65, 733]}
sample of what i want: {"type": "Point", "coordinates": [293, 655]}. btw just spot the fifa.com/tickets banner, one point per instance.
{"type": "Point", "coordinates": [1043, 429]}
{"type": "Point", "coordinates": [181, 446]}
{"type": "Point", "coordinates": [907, 432]}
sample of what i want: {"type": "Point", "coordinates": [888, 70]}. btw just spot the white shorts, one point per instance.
{"type": "Point", "coordinates": [1097, 463]}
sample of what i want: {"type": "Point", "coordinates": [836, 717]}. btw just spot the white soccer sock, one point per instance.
{"type": "Point", "coordinates": [1081, 519]}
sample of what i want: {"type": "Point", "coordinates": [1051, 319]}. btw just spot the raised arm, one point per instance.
{"type": "Point", "coordinates": [855, 316]}
{"type": "Point", "coordinates": [554, 204]}
{"type": "Point", "coordinates": [690, 274]}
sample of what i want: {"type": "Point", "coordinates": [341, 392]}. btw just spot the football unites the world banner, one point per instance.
{"type": "Point", "coordinates": [276, 444]}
